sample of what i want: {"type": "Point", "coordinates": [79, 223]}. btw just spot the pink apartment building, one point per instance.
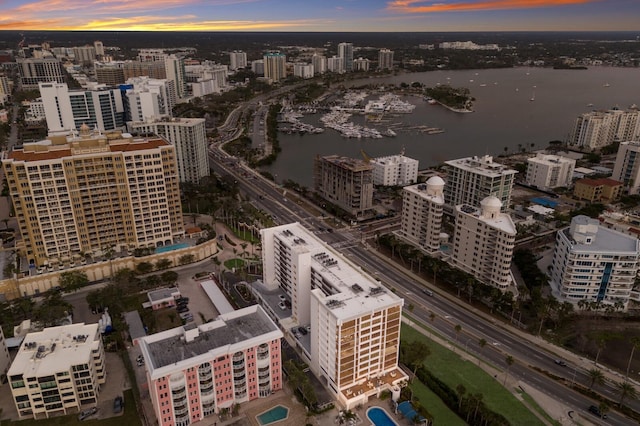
{"type": "Point", "coordinates": [194, 371]}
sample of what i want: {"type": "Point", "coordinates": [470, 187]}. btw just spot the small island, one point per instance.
{"type": "Point", "coordinates": [455, 99]}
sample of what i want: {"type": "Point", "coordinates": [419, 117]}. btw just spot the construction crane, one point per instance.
{"type": "Point", "coordinates": [365, 156]}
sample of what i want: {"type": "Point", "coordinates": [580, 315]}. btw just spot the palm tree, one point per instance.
{"type": "Point", "coordinates": [604, 408]}
{"type": "Point", "coordinates": [635, 343]}
{"type": "Point", "coordinates": [482, 343]}
{"type": "Point", "coordinates": [478, 397]}
{"type": "Point", "coordinates": [509, 360]}
{"type": "Point", "coordinates": [596, 377]}
{"type": "Point", "coordinates": [626, 390]}
{"type": "Point", "coordinates": [460, 390]}
{"type": "Point", "coordinates": [458, 329]}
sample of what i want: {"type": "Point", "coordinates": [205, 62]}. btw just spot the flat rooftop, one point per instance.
{"type": "Point", "coordinates": [483, 165]}
{"type": "Point", "coordinates": [606, 241]}
{"type": "Point", "coordinates": [217, 337]}
{"type": "Point", "coordinates": [55, 349]}
{"type": "Point", "coordinates": [162, 294]}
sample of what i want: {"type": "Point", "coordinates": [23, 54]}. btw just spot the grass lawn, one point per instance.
{"type": "Point", "coordinates": [442, 415]}
{"type": "Point", "coordinates": [128, 418]}
{"type": "Point", "coordinates": [233, 263]}
{"type": "Point", "coordinates": [166, 318]}
{"type": "Point", "coordinates": [453, 370]}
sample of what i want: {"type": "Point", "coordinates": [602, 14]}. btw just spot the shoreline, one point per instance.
{"type": "Point", "coordinates": [456, 110]}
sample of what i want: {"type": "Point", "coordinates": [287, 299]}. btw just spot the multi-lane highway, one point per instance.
{"type": "Point", "coordinates": [533, 356]}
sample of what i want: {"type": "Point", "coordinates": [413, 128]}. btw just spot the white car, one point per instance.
{"type": "Point", "coordinates": [282, 306]}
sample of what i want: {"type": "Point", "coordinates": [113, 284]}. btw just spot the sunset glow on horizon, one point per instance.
{"type": "Point", "coordinates": [331, 15]}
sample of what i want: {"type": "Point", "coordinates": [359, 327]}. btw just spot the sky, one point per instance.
{"type": "Point", "coordinates": [321, 15]}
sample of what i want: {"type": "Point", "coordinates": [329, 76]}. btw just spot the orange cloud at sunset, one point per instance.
{"type": "Point", "coordinates": [419, 6]}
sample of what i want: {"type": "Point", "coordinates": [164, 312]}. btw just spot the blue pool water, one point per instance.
{"type": "Point", "coordinates": [165, 249]}
{"type": "Point", "coordinates": [379, 417]}
{"type": "Point", "coordinates": [273, 415]}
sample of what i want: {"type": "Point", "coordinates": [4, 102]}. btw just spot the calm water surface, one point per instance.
{"type": "Point", "coordinates": [504, 116]}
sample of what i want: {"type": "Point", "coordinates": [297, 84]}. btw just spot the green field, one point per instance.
{"type": "Point", "coordinates": [442, 415]}
{"type": "Point", "coordinates": [453, 370]}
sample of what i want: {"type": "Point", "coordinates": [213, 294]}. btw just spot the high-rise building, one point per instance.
{"type": "Point", "coordinates": [145, 98]}
{"type": "Point", "coordinates": [483, 243]}
{"type": "Point", "coordinates": [99, 48]}
{"type": "Point", "coordinates": [39, 70]}
{"type": "Point", "coordinates": [550, 171]}
{"type": "Point", "coordinates": [57, 370]}
{"type": "Point", "coordinates": [596, 129]}
{"type": "Point", "coordinates": [385, 59]}
{"type": "Point", "coordinates": [84, 193]}
{"type": "Point", "coordinates": [174, 67]}
{"type": "Point", "coordinates": [627, 167]}
{"type": "Point", "coordinates": [472, 179]}
{"type": "Point", "coordinates": [189, 137]}
{"type": "Point", "coordinates": [422, 210]}
{"type": "Point", "coordinates": [5, 89]}
{"type": "Point", "coordinates": [394, 170]}
{"type": "Point", "coordinates": [109, 73]}
{"type": "Point", "coordinates": [361, 64]}
{"type": "Point", "coordinates": [303, 70]}
{"type": "Point", "coordinates": [257, 66]}
{"type": "Point", "coordinates": [275, 66]}
{"type": "Point", "coordinates": [345, 51]}
{"type": "Point", "coordinates": [594, 264]}
{"type": "Point", "coordinates": [84, 55]}
{"type": "Point", "coordinates": [195, 372]}
{"type": "Point", "coordinates": [319, 63]}
{"type": "Point", "coordinates": [152, 55]}
{"type": "Point", "coordinates": [345, 182]}
{"type": "Point", "coordinates": [237, 59]}
{"type": "Point", "coordinates": [5, 358]}
{"type": "Point", "coordinates": [354, 321]}
{"type": "Point", "coordinates": [156, 70]}
{"type": "Point", "coordinates": [97, 107]}
{"type": "Point", "coordinates": [335, 64]}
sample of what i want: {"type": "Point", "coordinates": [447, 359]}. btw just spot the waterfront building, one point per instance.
{"type": "Point", "coordinates": [345, 182]}
{"type": "Point", "coordinates": [483, 243]}
{"type": "Point", "coordinates": [80, 194]}
{"type": "Point", "coordinates": [545, 171]}
{"type": "Point", "coordinates": [275, 66]}
{"type": "Point", "coordinates": [257, 67]}
{"type": "Point", "coordinates": [472, 179]}
{"type": "Point", "coordinates": [596, 129]}
{"type": "Point", "coordinates": [336, 64]}
{"type": "Point", "coordinates": [594, 264]}
{"type": "Point", "coordinates": [361, 64]}
{"type": "Point", "coordinates": [33, 71]}
{"type": "Point", "coordinates": [146, 97]}
{"type": "Point", "coordinates": [109, 73]}
{"type": "Point", "coordinates": [422, 210]}
{"type": "Point", "coordinates": [394, 170]}
{"type": "Point", "coordinates": [189, 137]}
{"type": "Point", "coordinates": [385, 59]}
{"type": "Point", "coordinates": [96, 106]}
{"type": "Point", "coordinates": [627, 166]}
{"type": "Point", "coordinates": [194, 372]}
{"type": "Point", "coordinates": [303, 70]}
{"type": "Point", "coordinates": [354, 321]}
{"type": "Point", "coordinates": [57, 371]}
{"type": "Point", "coordinates": [345, 51]}
{"type": "Point", "coordinates": [237, 59]}
{"type": "Point", "coordinates": [598, 190]}
{"type": "Point", "coordinates": [319, 63]}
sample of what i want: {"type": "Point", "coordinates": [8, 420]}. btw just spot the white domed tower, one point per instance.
{"type": "Point", "coordinates": [435, 186]}
{"type": "Point", "coordinates": [422, 207]}
{"type": "Point", "coordinates": [491, 207]}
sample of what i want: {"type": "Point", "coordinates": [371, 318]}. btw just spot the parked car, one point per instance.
{"type": "Point", "coordinates": [85, 414]}
{"type": "Point", "coordinates": [596, 410]}
{"type": "Point", "coordinates": [118, 404]}
{"type": "Point", "coordinates": [560, 362]}
{"type": "Point", "coordinates": [182, 299]}
{"type": "Point", "coordinates": [182, 309]}
{"type": "Point", "coordinates": [185, 315]}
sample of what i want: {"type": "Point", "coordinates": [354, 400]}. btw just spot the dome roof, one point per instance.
{"type": "Point", "coordinates": [435, 181]}
{"type": "Point", "coordinates": [491, 201]}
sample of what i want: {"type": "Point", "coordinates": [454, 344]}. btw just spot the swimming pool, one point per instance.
{"type": "Point", "coordinates": [379, 417]}
{"type": "Point", "coordinates": [276, 414]}
{"type": "Point", "coordinates": [164, 249]}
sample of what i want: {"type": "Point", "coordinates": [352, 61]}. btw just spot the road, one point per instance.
{"type": "Point", "coordinates": [533, 356]}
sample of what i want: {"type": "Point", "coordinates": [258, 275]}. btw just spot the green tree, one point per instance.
{"type": "Point", "coordinates": [169, 277]}
{"type": "Point", "coordinates": [596, 377]}
{"type": "Point", "coordinates": [635, 344]}
{"type": "Point", "coordinates": [163, 264]}
{"type": "Point", "coordinates": [186, 259]}
{"type": "Point", "coordinates": [144, 268]}
{"type": "Point", "coordinates": [482, 343]}
{"type": "Point", "coordinates": [73, 280]}
{"type": "Point", "coordinates": [626, 390]}
{"type": "Point", "coordinates": [509, 360]}
{"type": "Point", "coordinates": [604, 408]}
{"type": "Point", "coordinates": [458, 329]}
{"type": "Point", "coordinates": [460, 390]}
{"type": "Point", "coordinates": [413, 354]}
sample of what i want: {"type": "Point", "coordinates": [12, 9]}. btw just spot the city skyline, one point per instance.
{"type": "Point", "coordinates": [334, 15]}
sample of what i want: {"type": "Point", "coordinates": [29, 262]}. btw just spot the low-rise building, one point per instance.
{"type": "Point", "coordinates": [598, 190]}
{"type": "Point", "coordinates": [194, 372]}
{"type": "Point", "coordinates": [545, 171]}
{"type": "Point", "coordinates": [163, 297]}
{"type": "Point", "coordinates": [394, 170]}
{"type": "Point", "coordinates": [57, 370]}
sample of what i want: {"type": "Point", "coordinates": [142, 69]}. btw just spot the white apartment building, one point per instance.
{"type": "Point", "coordinates": [422, 210]}
{"type": "Point", "coordinates": [149, 97]}
{"type": "Point", "coordinates": [483, 243]}
{"type": "Point", "coordinates": [34, 112]}
{"type": "Point", "coordinates": [58, 370]}
{"type": "Point", "coordinates": [345, 51]}
{"type": "Point", "coordinates": [188, 136]}
{"type": "Point", "coordinates": [257, 66]}
{"type": "Point", "coordinates": [275, 66]}
{"type": "Point", "coordinates": [80, 194]}
{"type": "Point", "coordinates": [627, 167]}
{"type": "Point", "coordinates": [5, 358]}
{"type": "Point", "coordinates": [39, 70]}
{"type": "Point", "coordinates": [596, 129]}
{"type": "Point", "coordinates": [594, 264]}
{"type": "Point", "coordinates": [174, 67]}
{"type": "Point", "coordinates": [319, 63]}
{"type": "Point", "coordinates": [97, 107]}
{"type": "Point", "coordinates": [336, 64]}
{"type": "Point", "coordinates": [394, 170]}
{"type": "Point", "coordinates": [84, 55]}
{"type": "Point", "coordinates": [237, 59]}
{"type": "Point", "coordinates": [303, 70]}
{"type": "Point", "coordinates": [546, 171]}
{"type": "Point", "coordinates": [361, 64]}
{"type": "Point", "coordinates": [193, 373]}
{"type": "Point", "coordinates": [472, 179]}
{"type": "Point", "coordinates": [385, 59]}
{"type": "Point", "coordinates": [354, 320]}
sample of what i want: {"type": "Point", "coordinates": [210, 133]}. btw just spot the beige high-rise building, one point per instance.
{"type": "Point", "coordinates": [385, 59]}
{"type": "Point", "coordinates": [275, 66]}
{"type": "Point", "coordinates": [422, 210]}
{"type": "Point", "coordinates": [627, 167]}
{"type": "Point", "coordinates": [345, 182]}
{"type": "Point", "coordinates": [92, 192]}
{"type": "Point", "coordinates": [483, 243]}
